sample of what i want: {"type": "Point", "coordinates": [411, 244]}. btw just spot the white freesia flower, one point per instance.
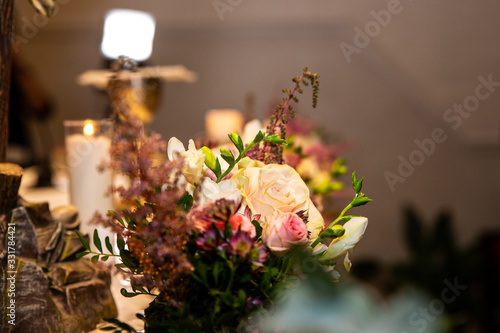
{"type": "Point", "coordinates": [211, 191]}
{"type": "Point", "coordinates": [354, 230]}
{"type": "Point", "coordinates": [194, 159]}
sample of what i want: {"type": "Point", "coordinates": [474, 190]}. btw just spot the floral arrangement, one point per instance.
{"type": "Point", "coordinates": [316, 160]}
{"type": "Point", "coordinates": [215, 235]}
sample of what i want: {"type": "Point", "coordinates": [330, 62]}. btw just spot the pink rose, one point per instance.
{"type": "Point", "coordinates": [241, 221]}
{"type": "Point", "coordinates": [282, 231]}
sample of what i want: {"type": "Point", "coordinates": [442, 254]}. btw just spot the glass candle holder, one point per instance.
{"type": "Point", "coordinates": [87, 148]}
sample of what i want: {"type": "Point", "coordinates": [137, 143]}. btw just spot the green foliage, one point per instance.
{"type": "Point", "coordinates": [117, 326]}
{"type": "Point", "coordinates": [359, 199]}
{"type": "Point", "coordinates": [213, 162]}
{"type": "Point", "coordinates": [226, 283]}
{"type": "Point", "coordinates": [186, 202]}
{"type": "Point", "coordinates": [98, 244]}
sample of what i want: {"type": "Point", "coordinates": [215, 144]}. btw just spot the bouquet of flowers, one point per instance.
{"type": "Point", "coordinates": [215, 235]}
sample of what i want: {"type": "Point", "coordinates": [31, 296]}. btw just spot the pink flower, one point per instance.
{"type": "Point", "coordinates": [240, 221]}
{"type": "Point", "coordinates": [282, 231]}
{"type": "Point", "coordinates": [208, 241]}
{"type": "Point", "coordinates": [258, 255]}
{"type": "Point", "coordinates": [215, 213]}
{"type": "Point", "coordinates": [240, 244]}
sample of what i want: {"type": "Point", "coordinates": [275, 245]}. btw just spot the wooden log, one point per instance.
{"type": "Point", "coordinates": [6, 14]}
{"type": "Point", "coordinates": [10, 180]}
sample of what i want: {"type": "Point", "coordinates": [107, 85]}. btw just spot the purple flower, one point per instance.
{"type": "Point", "coordinates": [258, 255]}
{"type": "Point", "coordinates": [208, 240]}
{"type": "Point", "coordinates": [240, 244]}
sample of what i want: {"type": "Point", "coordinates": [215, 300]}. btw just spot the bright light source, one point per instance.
{"type": "Point", "coordinates": [88, 129]}
{"type": "Point", "coordinates": [128, 32]}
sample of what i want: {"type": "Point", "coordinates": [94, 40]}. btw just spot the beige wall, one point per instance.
{"type": "Point", "coordinates": [393, 92]}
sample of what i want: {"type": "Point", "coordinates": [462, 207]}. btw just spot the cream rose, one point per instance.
{"type": "Point", "coordinates": [280, 188]}
{"type": "Point", "coordinates": [282, 231]}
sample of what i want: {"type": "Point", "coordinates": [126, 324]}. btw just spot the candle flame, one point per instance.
{"type": "Point", "coordinates": [88, 129]}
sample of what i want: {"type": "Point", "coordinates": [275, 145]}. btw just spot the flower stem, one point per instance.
{"type": "Point", "coordinates": [349, 206]}
{"type": "Point", "coordinates": [319, 239]}
{"type": "Point", "coordinates": [231, 166]}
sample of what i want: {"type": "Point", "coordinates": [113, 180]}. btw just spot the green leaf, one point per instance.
{"type": "Point", "coordinates": [242, 296]}
{"type": "Point", "coordinates": [120, 243]}
{"type": "Point", "coordinates": [125, 293]}
{"type": "Point", "coordinates": [81, 254]}
{"type": "Point", "coordinates": [209, 157]}
{"type": "Point", "coordinates": [129, 260]}
{"type": "Point", "coordinates": [116, 217]}
{"type": "Point", "coordinates": [236, 140]}
{"type": "Point", "coordinates": [360, 201]}
{"type": "Point", "coordinates": [97, 241]}
{"type": "Point", "coordinates": [258, 138]}
{"type": "Point", "coordinates": [125, 327]}
{"type": "Point", "coordinates": [186, 201]}
{"type": "Point", "coordinates": [333, 232]}
{"type": "Point", "coordinates": [104, 258]}
{"type": "Point", "coordinates": [274, 138]}
{"type": "Point", "coordinates": [108, 244]}
{"type": "Point", "coordinates": [245, 278]}
{"type": "Point", "coordinates": [359, 185]}
{"type": "Point", "coordinates": [95, 259]}
{"type": "Point", "coordinates": [345, 218]}
{"type": "Point", "coordinates": [82, 240]}
{"type": "Point", "coordinates": [217, 170]}
{"type": "Point", "coordinates": [216, 271]}
{"type": "Point", "coordinates": [258, 228]}
{"type": "Point", "coordinates": [228, 231]}
{"type": "Point", "coordinates": [227, 155]}
{"type": "Point", "coordinates": [354, 180]}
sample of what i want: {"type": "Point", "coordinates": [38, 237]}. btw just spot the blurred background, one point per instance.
{"type": "Point", "coordinates": [390, 71]}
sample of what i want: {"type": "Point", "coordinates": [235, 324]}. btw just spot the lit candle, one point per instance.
{"type": "Point", "coordinates": [87, 147]}
{"type": "Point", "coordinates": [220, 123]}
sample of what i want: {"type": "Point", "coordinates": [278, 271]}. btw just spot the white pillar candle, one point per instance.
{"type": "Point", "coordinates": [87, 147]}
{"type": "Point", "coordinates": [220, 123]}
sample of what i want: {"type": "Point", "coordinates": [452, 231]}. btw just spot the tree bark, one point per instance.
{"type": "Point", "coordinates": [6, 8]}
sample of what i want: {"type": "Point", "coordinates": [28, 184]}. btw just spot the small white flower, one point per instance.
{"type": "Point", "coordinates": [211, 191]}
{"type": "Point", "coordinates": [194, 159]}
